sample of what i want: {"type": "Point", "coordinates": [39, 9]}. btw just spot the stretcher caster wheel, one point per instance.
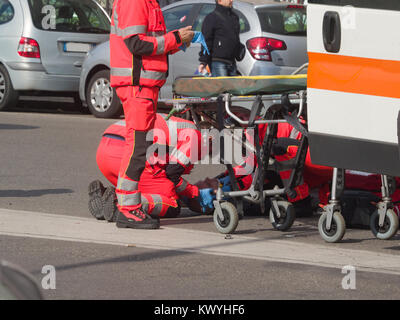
{"type": "Point", "coordinates": [389, 228]}
{"type": "Point", "coordinates": [287, 216]}
{"type": "Point", "coordinates": [230, 221]}
{"type": "Point", "coordinates": [337, 229]}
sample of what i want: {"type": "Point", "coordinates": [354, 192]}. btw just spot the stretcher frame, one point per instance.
{"type": "Point", "coordinates": [279, 111]}
{"type": "Point", "coordinates": [282, 104]}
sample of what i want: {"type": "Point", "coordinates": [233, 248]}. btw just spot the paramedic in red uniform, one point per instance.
{"type": "Point", "coordinates": [139, 48]}
{"type": "Point", "coordinates": [161, 183]}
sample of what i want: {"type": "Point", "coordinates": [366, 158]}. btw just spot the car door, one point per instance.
{"type": "Point", "coordinates": [175, 18]}
{"type": "Point", "coordinates": [353, 84]}
{"type": "Point", "coordinates": [65, 31]}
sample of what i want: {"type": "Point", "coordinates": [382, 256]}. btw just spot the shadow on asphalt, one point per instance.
{"type": "Point", "coordinates": [4, 126]}
{"type": "Point", "coordinates": [393, 248]}
{"type": "Point", "coordinates": [32, 193]}
{"type": "Point", "coordinates": [179, 221]}
{"type": "Point", "coordinates": [52, 105]}
{"type": "Point", "coordinates": [354, 240]}
{"type": "Point", "coordinates": [147, 256]}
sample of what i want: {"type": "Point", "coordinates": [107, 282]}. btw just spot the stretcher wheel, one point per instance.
{"type": "Point", "coordinates": [337, 230]}
{"type": "Point", "coordinates": [390, 225]}
{"type": "Point", "coordinates": [231, 218]}
{"type": "Point", "coordinates": [286, 220]}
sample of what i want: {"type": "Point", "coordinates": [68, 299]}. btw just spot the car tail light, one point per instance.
{"type": "Point", "coordinates": [261, 48]}
{"type": "Point", "coordinates": [28, 48]}
{"type": "Point", "coordinates": [295, 6]}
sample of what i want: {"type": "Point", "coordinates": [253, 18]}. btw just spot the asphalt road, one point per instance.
{"type": "Point", "coordinates": [48, 159]}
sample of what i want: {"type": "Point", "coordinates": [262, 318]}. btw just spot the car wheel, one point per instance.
{"type": "Point", "coordinates": [101, 98]}
{"type": "Point", "coordinates": [8, 96]}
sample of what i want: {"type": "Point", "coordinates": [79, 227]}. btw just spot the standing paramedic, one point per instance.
{"type": "Point", "coordinates": [221, 30]}
{"type": "Point", "coordinates": [139, 49]}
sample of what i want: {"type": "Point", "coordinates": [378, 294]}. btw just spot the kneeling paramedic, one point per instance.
{"type": "Point", "coordinates": [161, 183]}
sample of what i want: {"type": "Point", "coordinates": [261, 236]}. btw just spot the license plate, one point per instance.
{"type": "Point", "coordinates": [77, 47]}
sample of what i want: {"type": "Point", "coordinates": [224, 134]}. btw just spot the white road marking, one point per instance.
{"type": "Point", "coordinates": [76, 229]}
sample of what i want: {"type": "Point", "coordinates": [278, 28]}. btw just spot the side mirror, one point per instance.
{"type": "Point", "coordinates": [17, 284]}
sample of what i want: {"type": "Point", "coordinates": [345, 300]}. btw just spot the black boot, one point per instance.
{"type": "Point", "coordinates": [110, 209]}
{"type": "Point", "coordinates": [137, 219]}
{"type": "Point", "coordinates": [96, 191]}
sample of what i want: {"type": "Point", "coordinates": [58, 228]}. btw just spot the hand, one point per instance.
{"type": "Point", "coordinates": [186, 34]}
{"type": "Point", "coordinates": [201, 68]}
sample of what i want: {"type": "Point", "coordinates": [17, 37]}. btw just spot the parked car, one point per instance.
{"type": "Point", "coordinates": [44, 42]}
{"type": "Point", "coordinates": [274, 34]}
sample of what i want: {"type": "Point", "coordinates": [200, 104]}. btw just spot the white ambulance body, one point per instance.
{"type": "Point", "coordinates": [354, 84]}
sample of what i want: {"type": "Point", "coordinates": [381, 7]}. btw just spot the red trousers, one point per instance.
{"type": "Point", "coordinates": [140, 104]}
{"type": "Point", "coordinates": [158, 196]}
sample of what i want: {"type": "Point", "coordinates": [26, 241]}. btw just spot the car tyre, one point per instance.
{"type": "Point", "coordinates": [8, 96]}
{"type": "Point", "coordinates": [101, 98]}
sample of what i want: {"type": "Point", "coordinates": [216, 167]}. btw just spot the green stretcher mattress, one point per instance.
{"type": "Point", "coordinates": [206, 87]}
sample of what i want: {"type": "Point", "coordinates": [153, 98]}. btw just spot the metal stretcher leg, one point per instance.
{"type": "Point", "coordinates": [384, 222]}
{"type": "Point", "coordinates": [282, 213]}
{"type": "Point", "coordinates": [226, 215]}
{"type": "Point", "coordinates": [263, 157]}
{"type": "Point", "coordinates": [261, 151]}
{"type": "Point", "coordinates": [234, 184]}
{"type": "Point", "coordinates": [331, 225]}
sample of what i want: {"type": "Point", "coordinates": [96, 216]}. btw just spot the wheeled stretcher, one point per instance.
{"type": "Point", "coordinates": [273, 99]}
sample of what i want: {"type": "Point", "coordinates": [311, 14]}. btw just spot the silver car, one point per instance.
{"type": "Point", "coordinates": [274, 34]}
{"type": "Point", "coordinates": [43, 44]}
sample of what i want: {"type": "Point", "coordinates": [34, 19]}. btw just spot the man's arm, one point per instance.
{"type": "Point", "coordinates": [208, 32]}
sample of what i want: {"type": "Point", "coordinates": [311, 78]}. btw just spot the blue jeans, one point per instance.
{"type": "Point", "coordinates": [222, 69]}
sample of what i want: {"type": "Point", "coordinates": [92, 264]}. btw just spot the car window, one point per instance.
{"type": "Point", "coordinates": [6, 11]}
{"type": "Point", "coordinates": [244, 23]}
{"type": "Point", "coordinates": [208, 8]}
{"type": "Point", "coordinates": [175, 17]}
{"type": "Point", "coordinates": [283, 21]}
{"type": "Point", "coordinates": [70, 16]}
{"type": "Point", "coordinates": [204, 11]}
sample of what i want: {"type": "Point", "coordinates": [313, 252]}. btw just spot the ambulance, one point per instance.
{"type": "Point", "coordinates": [354, 98]}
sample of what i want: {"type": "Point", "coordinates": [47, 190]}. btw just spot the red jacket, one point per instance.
{"type": "Point", "coordinates": [139, 44]}
{"type": "Point", "coordinates": [179, 138]}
